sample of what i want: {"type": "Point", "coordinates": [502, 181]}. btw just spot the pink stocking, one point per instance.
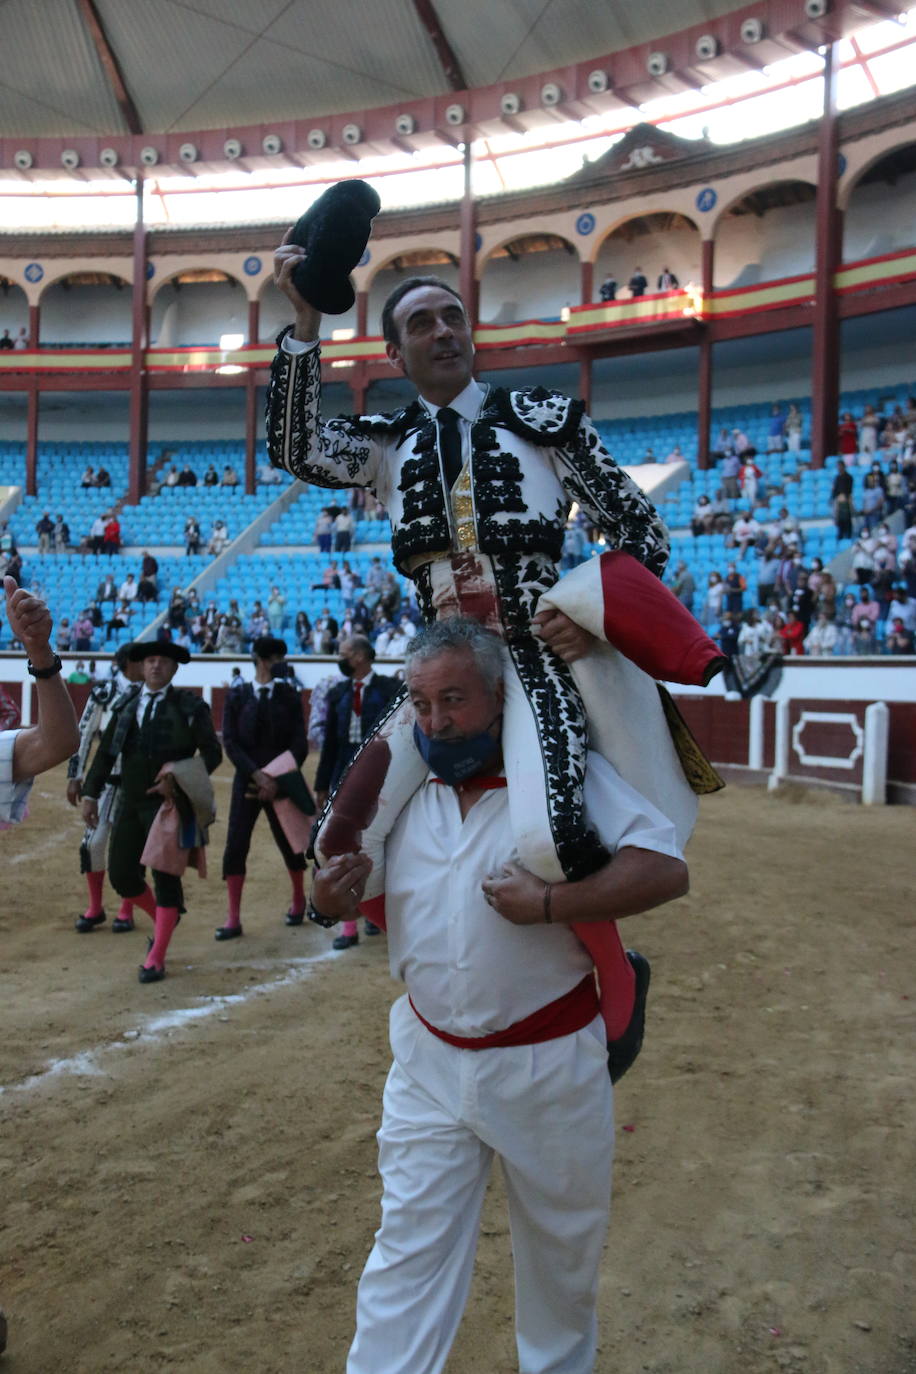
{"type": "Point", "coordinates": [146, 902]}
{"type": "Point", "coordinates": [296, 877]}
{"type": "Point", "coordinates": [234, 884]}
{"type": "Point", "coordinates": [95, 882]}
{"type": "Point", "coordinates": [166, 920]}
{"type": "Point", "coordinates": [126, 909]}
{"type": "Point", "coordinates": [348, 928]}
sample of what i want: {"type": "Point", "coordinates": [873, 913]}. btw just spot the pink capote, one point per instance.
{"type": "Point", "coordinates": [296, 826]}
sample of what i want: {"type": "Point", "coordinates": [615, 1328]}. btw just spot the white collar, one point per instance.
{"type": "Point", "coordinates": [468, 403]}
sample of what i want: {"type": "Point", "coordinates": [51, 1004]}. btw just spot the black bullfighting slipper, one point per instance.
{"type": "Point", "coordinates": [151, 975]}
{"type": "Point", "coordinates": [86, 923]}
{"type": "Point", "coordinates": [345, 942]}
{"type": "Point", "coordinates": [294, 918]}
{"type": "Point", "coordinates": [622, 1053]}
{"type": "Point", "coordinates": [334, 232]}
{"type": "Point", "coordinates": [372, 928]}
{"type": "Point", "coordinates": [122, 923]}
{"type": "Point", "coordinates": [228, 932]}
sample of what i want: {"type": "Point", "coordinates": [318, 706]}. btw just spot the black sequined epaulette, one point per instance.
{"type": "Point", "coordinates": [397, 424]}
{"type": "Point", "coordinates": [547, 418]}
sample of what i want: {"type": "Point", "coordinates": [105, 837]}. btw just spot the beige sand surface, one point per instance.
{"type": "Point", "coordinates": [187, 1170]}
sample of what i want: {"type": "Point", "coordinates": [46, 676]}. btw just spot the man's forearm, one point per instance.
{"type": "Point", "coordinates": [56, 735]}
{"type": "Point", "coordinates": [635, 880]}
{"type": "Point", "coordinates": [308, 325]}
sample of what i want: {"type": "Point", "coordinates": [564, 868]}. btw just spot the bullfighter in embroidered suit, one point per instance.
{"type": "Point", "coordinates": [478, 483]}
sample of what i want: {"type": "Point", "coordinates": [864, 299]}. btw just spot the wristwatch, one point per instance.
{"type": "Point", "coordinates": [54, 669]}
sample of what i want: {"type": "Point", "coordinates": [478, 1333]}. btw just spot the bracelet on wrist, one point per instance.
{"type": "Point", "coordinates": [51, 671]}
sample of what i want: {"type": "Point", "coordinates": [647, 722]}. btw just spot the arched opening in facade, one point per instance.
{"type": "Point", "coordinates": [14, 310]}
{"type": "Point", "coordinates": [881, 208]}
{"type": "Point", "coordinates": [649, 245]}
{"type": "Point", "coordinates": [196, 307]}
{"type": "Point", "coordinates": [533, 276]}
{"type": "Point", "coordinates": [766, 234]}
{"type": "Point", "coordinates": [86, 308]}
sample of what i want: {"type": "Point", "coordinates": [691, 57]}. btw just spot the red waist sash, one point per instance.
{"type": "Point", "coordinates": [567, 1014]}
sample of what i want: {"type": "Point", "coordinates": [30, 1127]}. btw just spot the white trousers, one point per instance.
{"type": "Point", "coordinates": [547, 1111]}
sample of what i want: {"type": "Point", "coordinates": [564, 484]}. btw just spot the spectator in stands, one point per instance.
{"type": "Point", "coordinates": [735, 587]}
{"type": "Point", "coordinates": [712, 602]}
{"type": "Point", "coordinates": [676, 456]}
{"type": "Point", "coordinates": [731, 466]}
{"type": "Point", "coordinates": [219, 538]}
{"type": "Point", "coordinates": [230, 476]}
{"type": "Point", "coordinates": [749, 475]}
{"type": "Point", "coordinates": [97, 534]}
{"type": "Point", "coordinates": [822, 639]}
{"type": "Point", "coordinates": [649, 455]}
{"type": "Point", "coordinates": [767, 572]}
{"type": "Point", "coordinates": [390, 599]}
{"type": "Point", "coordinates": [755, 638]}
{"type": "Point", "coordinates": [128, 589]}
{"type": "Point", "coordinates": [148, 587]}
{"type": "Point", "coordinates": [667, 281]}
{"type": "Point", "coordinates": [394, 639]}
{"type": "Point", "coordinates": [842, 516]}
{"type": "Point", "coordinates": [793, 427]}
{"type": "Point", "coordinates": [61, 535]}
{"type": "Point", "coordinates": [863, 557]}
{"type": "Point", "coordinates": [895, 488]}
{"type": "Point", "coordinates": [230, 638]}
{"type": "Point", "coordinates": [211, 477]}
{"type": "Point", "coordinates": [112, 541]}
{"type": "Point", "coordinates": [7, 539]}
{"type": "Point", "coordinates": [88, 478]}
{"type": "Point", "coordinates": [802, 600]}
{"type": "Point", "coordinates": [349, 581]}
{"type": "Point", "coordinates": [191, 536]}
{"type": "Point", "coordinates": [276, 611]}
{"type": "Point", "coordinates": [374, 582]}
{"type": "Point", "coordinates": [258, 624]}
{"type": "Point", "coordinates": [898, 640]}
{"type": "Point", "coordinates": [825, 597]}
{"type": "Point", "coordinates": [83, 627]}
{"type": "Point", "coordinates": [120, 619]}
{"type": "Point", "coordinates": [187, 477]}
{"type": "Point", "coordinates": [776, 431]}
{"type": "Point", "coordinates": [303, 632]}
{"type": "Point", "coordinates": [6, 342]}
{"type": "Point", "coordinates": [177, 609]}
{"type": "Point", "coordinates": [864, 640]}
{"type": "Point", "coordinates": [728, 634]}
{"type": "Point", "coordinates": [45, 531]}
{"type": "Point", "coordinates": [269, 476]}
{"type": "Point", "coordinates": [683, 585]}
{"type": "Point", "coordinates": [103, 478]}
{"type": "Point", "coordinates": [79, 674]}
{"type": "Point", "coordinates": [107, 590]}
{"type": "Point", "coordinates": [744, 532]}
{"type": "Point", "coordinates": [877, 472]}
{"type": "Point", "coordinates": [64, 635]}
{"type": "Point", "coordinates": [324, 633]}
{"type": "Point", "coordinates": [866, 609]}
{"type": "Point", "coordinates": [324, 530]}
{"type": "Point", "coordinates": [171, 477]}
{"type": "Point", "coordinates": [607, 291]}
{"type": "Point", "coordinates": [21, 342]}
{"type": "Point", "coordinates": [343, 531]}
{"type": "Point", "coordinates": [848, 435]}
{"type": "Point", "coordinates": [901, 607]}
{"type": "Point", "coordinates": [842, 481]}
{"type": "Point", "coordinates": [872, 507]}
{"type": "Point", "coordinates": [792, 635]}
{"type": "Point", "coordinates": [703, 514]}
{"type": "Point", "coordinates": [845, 626]}
{"type": "Point", "coordinates": [868, 431]}
{"type": "Point", "coordinates": [884, 556]}
{"type": "Point", "coordinates": [575, 546]}
{"type": "Point", "coordinates": [815, 576]}
{"type": "Point", "coordinates": [637, 283]}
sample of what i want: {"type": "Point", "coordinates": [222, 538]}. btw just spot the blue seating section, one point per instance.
{"type": "Point", "coordinates": [161, 519]}
{"type": "Point", "coordinates": [252, 576]}
{"type": "Point", "coordinates": [297, 525]}
{"type": "Point", "coordinates": [68, 584]}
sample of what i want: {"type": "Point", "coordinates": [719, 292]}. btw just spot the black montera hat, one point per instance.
{"type": "Point", "coordinates": [334, 232]}
{"type": "Point", "coordinates": [145, 648]}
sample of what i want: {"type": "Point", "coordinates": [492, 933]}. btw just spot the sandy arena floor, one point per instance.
{"type": "Point", "coordinates": [187, 1170]}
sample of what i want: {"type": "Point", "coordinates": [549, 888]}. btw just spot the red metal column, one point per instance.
{"type": "Point", "coordinates": [585, 382]}
{"type": "Point", "coordinates": [362, 314]}
{"type": "Point", "coordinates": [588, 282]}
{"type": "Point", "coordinates": [709, 253]}
{"type": "Point", "coordinates": [139, 380]}
{"type": "Point", "coordinates": [251, 431]}
{"type": "Point", "coordinates": [254, 321]}
{"type": "Point", "coordinates": [704, 401]}
{"type": "Point", "coordinates": [467, 252]}
{"type": "Point", "coordinates": [31, 439]}
{"type": "Point", "coordinates": [825, 363]}
{"type": "Point", "coordinates": [34, 325]}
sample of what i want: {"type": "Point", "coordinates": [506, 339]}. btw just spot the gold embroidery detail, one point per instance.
{"type": "Point", "coordinates": [463, 510]}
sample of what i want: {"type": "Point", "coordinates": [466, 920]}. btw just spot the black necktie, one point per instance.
{"type": "Point", "coordinates": [449, 443]}
{"type": "Point", "coordinates": [263, 717]}
{"type": "Point", "coordinates": [145, 724]}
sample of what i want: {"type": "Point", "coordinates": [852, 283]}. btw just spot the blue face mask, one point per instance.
{"type": "Point", "coordinates": [456, 760]}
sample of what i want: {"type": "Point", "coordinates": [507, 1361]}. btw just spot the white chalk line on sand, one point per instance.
{"type": "Point", "coordinates": [87, 1064]}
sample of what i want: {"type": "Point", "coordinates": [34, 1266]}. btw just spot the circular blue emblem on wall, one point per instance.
{"type": "Point", "coordinates": [34, 271]}
{"type": "Point", "coordinates": [252, 266]}
{"type": "Point", "coordinates": [585, 224]}
{"type": "Point", "coordinates": [366, 257]}
{"type": "Point", "coordinates": [841, 164]}
{"type": "Point", "coordinates": [150, 270]}
{"type": "Point", "coordinates": [706, 199]}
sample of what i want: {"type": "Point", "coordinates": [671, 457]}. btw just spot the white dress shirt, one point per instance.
{"type": "Point", "coordinates": [13, 795]}
{"type": "Point", "coordinates": [469, 971]}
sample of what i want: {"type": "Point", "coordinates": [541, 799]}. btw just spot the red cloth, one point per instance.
{"type": "Point", "coordinates": [646, 622]}
{"type": "Point", "coordinates": [567, 1014]}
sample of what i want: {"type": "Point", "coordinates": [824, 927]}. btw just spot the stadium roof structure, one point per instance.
{"type": "Point", "coordinates": [99, 88]}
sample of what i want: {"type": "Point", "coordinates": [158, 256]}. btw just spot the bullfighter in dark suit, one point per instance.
{"type": "Point", "coordinates": [261, 720]}
{"type": "Point", "coordinates": [354, 707]}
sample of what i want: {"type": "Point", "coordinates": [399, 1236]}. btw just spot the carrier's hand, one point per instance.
{"type": "Point", "coordinates": [90, 812]}
{"type": "Point", "coordinates": [30, 623]}
{"type": "Point", "coordinates": [164, 787]}
{"type": "Point", "coordinates": [567, 639]}
{"type": "Point", "coordinates": [262, 786]}
{"type": "Point", "coordinates": [338, 887]}
{"type": "Point", "coordinates": [286, 259]}
{"type": "Point", "coordinates": [74, 791]}
{"type": "Point", "coordinates": [515, 894]}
